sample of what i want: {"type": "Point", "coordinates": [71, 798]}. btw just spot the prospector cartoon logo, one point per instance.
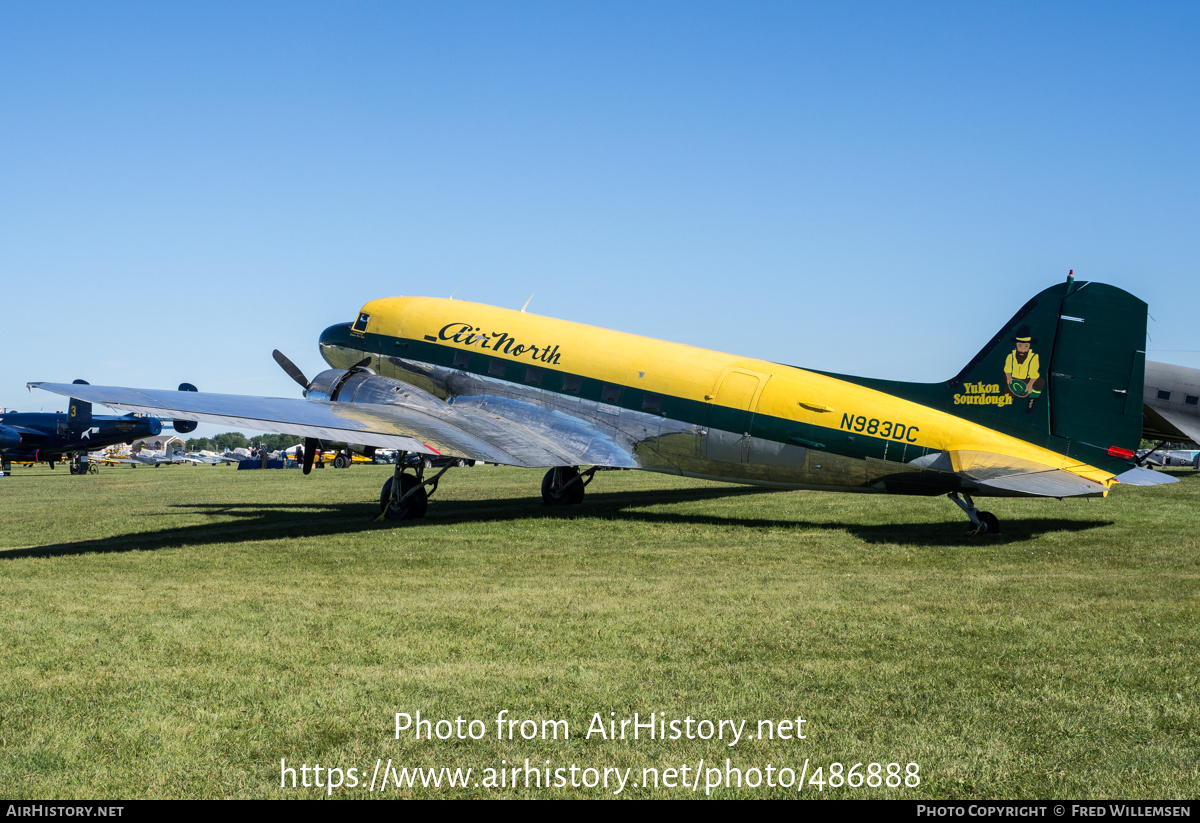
{"type": "Point", "coordinates": [1021, 369]}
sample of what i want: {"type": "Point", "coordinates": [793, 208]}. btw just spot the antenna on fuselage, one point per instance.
{"type": "Point", "coordinates": [523, 308]}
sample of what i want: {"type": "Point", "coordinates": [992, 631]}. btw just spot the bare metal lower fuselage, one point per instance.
{"type": "Point", "coordinates": [653, 442]}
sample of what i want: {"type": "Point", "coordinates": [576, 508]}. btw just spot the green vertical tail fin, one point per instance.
{"type": "Point", "coordinates": [1066, 372]}
{"type": "Point", "coordinates": [1070, 364]}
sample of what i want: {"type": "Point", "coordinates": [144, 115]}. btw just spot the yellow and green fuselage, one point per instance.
{"type": "Point", "coordinates": [704, 413]}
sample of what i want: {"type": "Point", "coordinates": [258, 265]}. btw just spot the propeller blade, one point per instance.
{"type": "Point", "coordinates": [290, 367]}
{"type": "Point", "coordinates": [361, 363]}
{"type": "Point", "coordinates": [310, 451]}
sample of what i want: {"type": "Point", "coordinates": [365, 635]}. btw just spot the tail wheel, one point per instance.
{"type": "Point", "coordinates": [562, 486]}
{"type": "Point", "coordinates": [991, 524]}
{"type": "Point", "coordinates": [412, 508]}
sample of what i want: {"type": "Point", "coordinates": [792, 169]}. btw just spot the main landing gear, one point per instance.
{"type": "Point", "coordinates": [406, 496]}
{"type": "Point", "coordinates": [981, 522]}
{"type": "Point", "coordinates": [81, 465]}
{"type": "Point", "coordinates": [563, 485]}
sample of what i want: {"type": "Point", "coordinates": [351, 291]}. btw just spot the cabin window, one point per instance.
{"type": "Point", "coordinates": [1192, 400]}
{"type": "Point", "coordinates": [496, 367]}
{"type": "Point", "coordinates": [652, 403]}
{"type": "Point", "coordinates": [610, 394]}
{"type": "Point", "coordinates": [462, 359]}
{"type": "Point", "coordinates": [533, 376]}
{"type": "Point", "coordinates": [1164, 395]}
{"type": "Point", "coordinates": [572, 383]}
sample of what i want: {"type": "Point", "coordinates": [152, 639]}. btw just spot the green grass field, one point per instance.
{"type": "Point", "coordinates": [177, 632]}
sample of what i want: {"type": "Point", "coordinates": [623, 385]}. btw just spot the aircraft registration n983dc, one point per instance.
{"type": "Point", "coordinates": [1050, 407]}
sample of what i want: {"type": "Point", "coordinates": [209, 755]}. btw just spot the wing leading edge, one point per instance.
{"type": "Point", "coordinates": [431, 428]}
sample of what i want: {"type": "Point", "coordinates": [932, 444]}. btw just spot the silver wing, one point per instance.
{"type": "Point", "coordinates": [496, 430]}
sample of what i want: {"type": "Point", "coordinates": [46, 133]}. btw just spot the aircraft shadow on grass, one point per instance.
{"type": "Point", "coordinates": [268, 521]}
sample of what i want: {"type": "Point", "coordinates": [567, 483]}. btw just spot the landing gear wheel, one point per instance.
{"type": "Point", "coordinates": [427, 463]}
{"type": "Point", "coordinates": [413, 507]}
{"type": "Point", "coordinates": [562, 486]}
{"type": "Point", "coordinates": [981, 522]}
{"type": "Point", "coordinates": [460, 463]}
{"type": "Point", "coordinates": [341, 461]}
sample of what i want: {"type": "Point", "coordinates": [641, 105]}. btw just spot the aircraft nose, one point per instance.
{"type": "Point", "coordinates": [9, 437]}
{"type": "Point", "coordinates": [334, 339]}
{"type": "Point", "coordinates": [335, 335]}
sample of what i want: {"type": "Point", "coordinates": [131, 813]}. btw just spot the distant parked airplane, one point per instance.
{"type": "Point", "coordinates": [1172, 404]}
{"type": "Point", "coordinates": [44, 437]}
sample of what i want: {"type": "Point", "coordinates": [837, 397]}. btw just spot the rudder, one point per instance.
{"type": "Point", "coordinates": [1069, 364]}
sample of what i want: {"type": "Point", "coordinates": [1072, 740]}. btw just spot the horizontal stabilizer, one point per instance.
{"type": "Point", "coordinates": [1048, 483]}
{"type": "Point", "coordinates": [1005, 474]}
{"type": "Point", "coordinates": [1141, 476]}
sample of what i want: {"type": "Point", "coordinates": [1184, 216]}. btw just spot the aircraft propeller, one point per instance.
{"type": "Point", "coordinates": [290, 367]}
{"type": "Point", "coordinates": [311, 444]}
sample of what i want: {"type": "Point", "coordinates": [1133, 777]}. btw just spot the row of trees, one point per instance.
{"type": "Point", "coordinates": [237, 440]}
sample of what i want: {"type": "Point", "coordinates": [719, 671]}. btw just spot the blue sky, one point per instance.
{"type": "Point", "coordinates": [864, 187]}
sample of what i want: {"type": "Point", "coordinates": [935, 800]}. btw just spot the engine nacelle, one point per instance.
{"type": "Point", "coordinates": [327, 385]}
{"type": "Point", "coordinates": [365, 386]}
{"type": "Point", "coordinates": [185, 426]}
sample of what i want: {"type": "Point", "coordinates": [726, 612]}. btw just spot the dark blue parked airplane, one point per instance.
{"type": "Point", "coordinates": [44, 437]}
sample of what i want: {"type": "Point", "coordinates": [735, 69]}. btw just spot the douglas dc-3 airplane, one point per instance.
{"type": "Point", "coordinates": [1051, 407]}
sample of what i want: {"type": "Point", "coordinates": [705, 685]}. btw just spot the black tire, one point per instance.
{"type": "Point", "coordinates": [571, 495]}
{"type": "Point", "coordinates": [414, 508]}
{"type": "Point", "coordinates": [990, 523]}
{"type": "Point", "coordinates": [340, 462]}
{"type": "Point", "coordinates": [462, 464]}
{"type": "Point", "coordinates": [427, 463]}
